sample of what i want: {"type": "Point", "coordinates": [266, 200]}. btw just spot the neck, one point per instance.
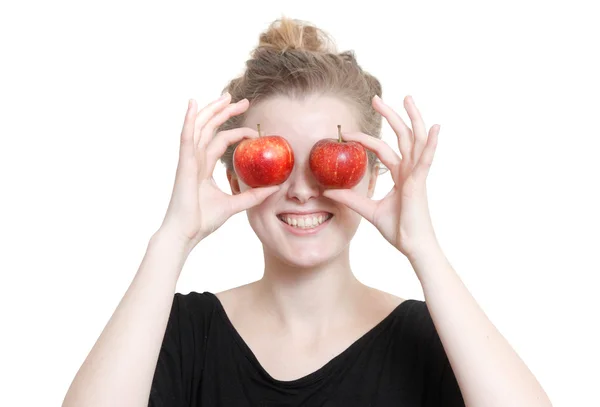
{"type": "Point", "coordinates": [309, 297]}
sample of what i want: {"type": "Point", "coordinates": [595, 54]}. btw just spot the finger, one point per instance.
{"type": "Point", "coordinates": [422, 168]}
{"type": "Point", "coordinates": [403, 132]}
{"type": "Point", "coordinates": [207, 132]}
{"type": "Point", "coordinates": [250, 198]}
{"type": "Point", "coordinates": [207, 112]}
{"type": "Point", "coordinates": [186, 146]}
{"type": "Point", "coordinates": [360, 204]}
{"type": "Point", "coordinates": [384, 152]}
{"type": "Point", "coordinates": [221, 141]}
{"type": "Point", "coordinates": [419, 131]}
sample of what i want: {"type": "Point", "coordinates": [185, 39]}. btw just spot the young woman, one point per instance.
{"type": "Point", "coordinates": [308, 333]}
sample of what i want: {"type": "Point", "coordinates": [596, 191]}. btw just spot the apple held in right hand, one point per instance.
{"type": "Point", "coordinates": [263, 161]}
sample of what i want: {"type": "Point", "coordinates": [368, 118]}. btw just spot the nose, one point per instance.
{"type": "Point", "coordinates": [302, 184]}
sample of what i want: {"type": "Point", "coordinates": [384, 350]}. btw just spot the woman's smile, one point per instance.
{"type": "Point", "coordinates": [305, 223]}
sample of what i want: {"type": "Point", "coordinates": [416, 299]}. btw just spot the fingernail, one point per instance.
{"type": "Point", "coordinates": [224, 96]}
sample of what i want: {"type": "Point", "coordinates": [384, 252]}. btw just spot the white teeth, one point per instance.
{"type": "Point", "coordinates": [306, 222]}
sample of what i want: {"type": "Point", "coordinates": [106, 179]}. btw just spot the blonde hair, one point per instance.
{"type": "Point", "coordinates": [295, 59]}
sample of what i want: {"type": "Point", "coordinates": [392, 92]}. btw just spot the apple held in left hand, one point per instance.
{"type": "Point", "coordinates": [402, 216]}
{"type": "Point", "coordinates": [336, 163]}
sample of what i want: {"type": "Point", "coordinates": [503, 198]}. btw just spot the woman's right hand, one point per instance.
{"type": "Point", "coordinates": [198, 206]}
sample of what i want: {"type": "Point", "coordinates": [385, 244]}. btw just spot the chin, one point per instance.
{"type": "Point", "coordinates": [309, 259]}
{"type": "Point", "coordinates": [305, 239]}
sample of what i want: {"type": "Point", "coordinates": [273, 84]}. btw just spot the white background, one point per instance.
{"type": "Point", "coordinates": [93, 97]}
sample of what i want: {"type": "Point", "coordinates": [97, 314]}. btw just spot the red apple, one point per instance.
{"type": "Point", "coordinates": [263, 161]}
{"type": "Point", "coordinates": [336, 163]}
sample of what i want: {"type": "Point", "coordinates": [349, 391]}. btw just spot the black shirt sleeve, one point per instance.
{"type": "Point", "coordinates": [440, 385]}
{"type": "Point", "coordinates": [167, 384]}
{"type": "Point", "coordinates": [181, 360]}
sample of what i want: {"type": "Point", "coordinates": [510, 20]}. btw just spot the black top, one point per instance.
{"type": "Point", "coordinates": [204, 362]}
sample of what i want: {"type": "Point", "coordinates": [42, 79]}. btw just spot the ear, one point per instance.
{"type": "Point", "coordinates": [373, 180]}
{"type": "Point", "coordinates": [233, 182]}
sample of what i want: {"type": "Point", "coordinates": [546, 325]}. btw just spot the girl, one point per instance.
{"type": "Point", "coordinates": [308, 333]}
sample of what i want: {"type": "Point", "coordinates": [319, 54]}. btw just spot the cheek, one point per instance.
{"type": "Point", "coordinates": [349, 219]}
{"type": "Point", "coordinates": [258, 214]}
{"type": "Point", "coordinates": [258, 222]}
{"type": "Point", "coordinates": [362, 187]}
{"type": "Point", "coordinates": [261, 215]}
{"type": "Point", "coordinates": [243, 187]}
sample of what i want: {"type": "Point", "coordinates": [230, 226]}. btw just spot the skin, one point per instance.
{"type": "Point", "coordinates": [308, 303]}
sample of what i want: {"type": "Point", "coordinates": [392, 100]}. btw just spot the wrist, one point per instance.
{"type": "Point", "coordinates": [172, 242]}
{"type": "Point", "coordinates": [423, 249]}
{"type": "Point", "coordinates": [427, 261]}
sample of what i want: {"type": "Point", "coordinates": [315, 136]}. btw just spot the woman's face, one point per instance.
{"type": "Point", "coordinates": [300, 200]}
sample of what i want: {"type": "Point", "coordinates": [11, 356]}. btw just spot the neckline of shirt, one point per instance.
{"type": "Point", "coordinates": [320, 373]}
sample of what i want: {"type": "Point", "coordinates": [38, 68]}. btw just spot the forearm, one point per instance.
{"type": "Point", "coordinates": [120, 367]}
{"type": "Point", "coordinates": [489, 372]}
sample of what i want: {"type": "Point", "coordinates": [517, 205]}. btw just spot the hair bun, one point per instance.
{"type": "Point", "coordinates": [291, 34]}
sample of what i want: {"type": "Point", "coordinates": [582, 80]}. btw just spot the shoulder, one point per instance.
{"type": "Point", "coordinates": [383, 305]}
{"type": "Point", "coordinates": [192, 308]}
{"type": "Point", "coordinates": [408, 311]}
{"type": "Point", "coordinates": [415, 332]}
{"type": "Point", "coordinates": [414, 319]}
{"type": "Point", "coordinates": [191, 319]}
{"type": "Point", "coordinates": [195, 300]}
{"type": "Point", "coordinates": [383, 298]}
{"type": "Point", "coordinates": [410, 320]}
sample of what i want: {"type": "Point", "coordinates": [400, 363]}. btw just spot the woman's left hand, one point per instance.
{"type": "Point", "coordinates": [402, 216]}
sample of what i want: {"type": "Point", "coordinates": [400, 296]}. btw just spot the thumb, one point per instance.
{"type": "Point", "coordinates": [250, 198]}
{"type": "Point", "coordinates": [360, 204]}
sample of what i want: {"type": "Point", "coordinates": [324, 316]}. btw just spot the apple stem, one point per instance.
{"type": "Point", "coordinates": [339, 133]}
{"type": "Point", "coordinates": [258, 127]}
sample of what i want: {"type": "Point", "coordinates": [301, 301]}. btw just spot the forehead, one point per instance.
{"type": "Point", "coordinates": [311, 118]}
